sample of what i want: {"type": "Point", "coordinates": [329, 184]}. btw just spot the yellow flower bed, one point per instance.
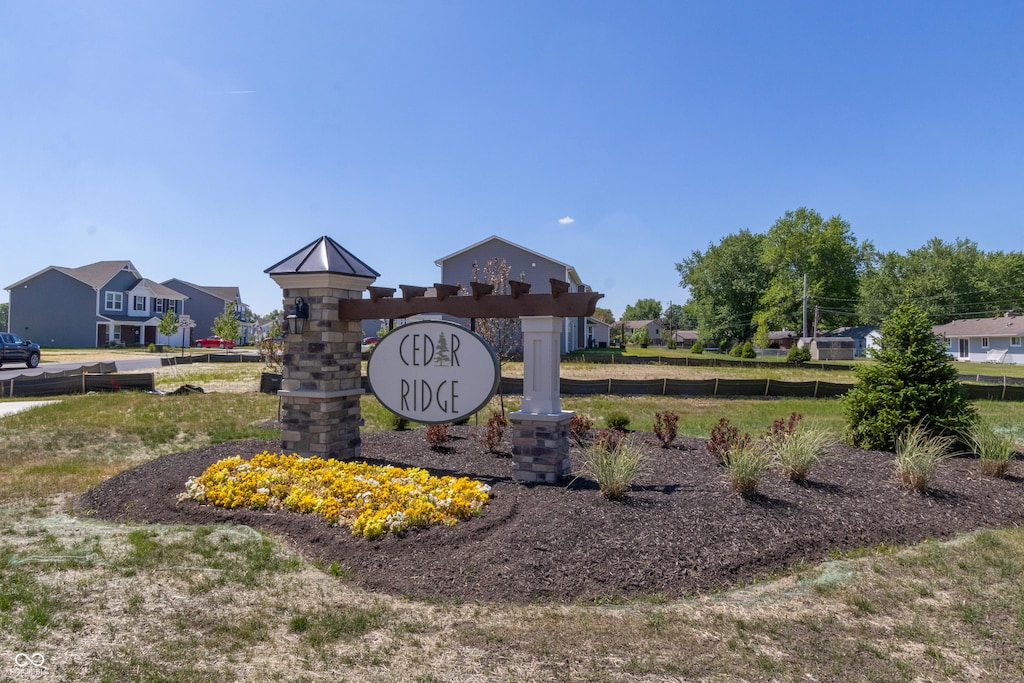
{"type": "Point", "coordinates": [371, 499]}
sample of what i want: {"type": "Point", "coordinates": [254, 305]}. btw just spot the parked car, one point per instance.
{"type": "Point", "coordinates": [214, 342]}
{"type": "Point", "coordinates": [14, 349]}
{"type": "Point", "coordinates": [368, 344]}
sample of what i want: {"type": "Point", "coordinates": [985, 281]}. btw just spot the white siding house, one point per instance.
{"type": "Point", "coordinates": [985, 340]}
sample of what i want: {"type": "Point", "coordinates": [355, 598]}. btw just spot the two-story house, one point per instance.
{"type": "Point", "coordinates": [206, 304]}
{"type": "Point", "coordinates": [101, 304]}
{"type": "Point", "coordinates": [526, 265]}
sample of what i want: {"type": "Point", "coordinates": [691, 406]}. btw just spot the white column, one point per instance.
{"type": "Point", "coordinates": [541, 356]}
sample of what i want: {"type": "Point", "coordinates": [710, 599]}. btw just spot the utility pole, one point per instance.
{"type": "Point", "coordinates": [805, 304]}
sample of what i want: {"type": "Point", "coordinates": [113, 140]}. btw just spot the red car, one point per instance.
{"type": "Point", "coordinates": [214, 342]}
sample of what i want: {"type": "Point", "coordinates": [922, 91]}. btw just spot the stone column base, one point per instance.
{"type": "Point", "coordinates": [326, 425]}
{"type": "Point", "coordinates": [540, 447]}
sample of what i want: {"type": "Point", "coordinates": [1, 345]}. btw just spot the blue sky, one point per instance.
{"type": "Point", "coordinates": [208, 140]}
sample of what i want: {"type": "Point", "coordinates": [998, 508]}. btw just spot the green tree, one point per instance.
{"type": "Point", "coordinates": [4, 312]}
{"type": "Point", "coordinates": [643, 309]}
{"type": "Point", "coordinates": [226, 325]}
{"type": "Point", "coordinates": [605, 315]}
{"type": "Point", "coordinates": [761, 338]}
{"type": "Point", "coordinates": [912, 383]}
{"type": "Point", "coordinates": [725, 284]}
{"type": "Point", "coordinates": [803, 243]}
{"type": "Point", "coordinates": [946, 280]}
{"type": "Point", "coordinates": [678, 318]}
{"type": "Point", "coordinates": [641, 336]}
{"type": "Point", "coordinates": [168, 324]}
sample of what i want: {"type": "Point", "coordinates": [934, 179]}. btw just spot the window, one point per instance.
{"type": "Point", "coordinates": [114, 301]}
{"type": "Point", "coordinates": [1014, 341]}
{"type": "Point", "coordinates": [158, 305]}
{"type": "Point", "coordinates": [984, 342]}
{"type": "Point", "coordinates": [138, 303]}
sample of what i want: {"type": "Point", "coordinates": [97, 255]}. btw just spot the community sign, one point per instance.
{"type": "Point", "coordinates": [433, 372]}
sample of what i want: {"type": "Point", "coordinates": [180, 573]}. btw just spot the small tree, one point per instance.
{"type": "Point", "coordinates": [168, 324]}
{"type": "Point", "coordinates": [798, 354]}
{"type": "Point", "coordinates": [641, 336]}
{"type": "Point", "coordinates": [226, 325]}
{"type": "Point", "coordinates": [912, 383]}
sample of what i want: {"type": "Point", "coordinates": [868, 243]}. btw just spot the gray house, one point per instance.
{"type": "Point", "coordinates": [984, 340]}
{"type": "Point", "coordinates": [205, 304]}
{"type": "Point", "coordinates": [101, 304]}
{"type": "Point", "coordinates": [525, 265]}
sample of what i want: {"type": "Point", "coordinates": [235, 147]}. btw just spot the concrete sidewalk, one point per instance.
{"type": "Point", "coordinates": [11, 407]}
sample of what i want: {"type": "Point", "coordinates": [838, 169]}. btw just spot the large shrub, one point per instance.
{"type": "Point", "coordinates": [912, 383]}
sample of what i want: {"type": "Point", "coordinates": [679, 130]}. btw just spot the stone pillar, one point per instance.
{"type": "Point", "coordinates": [540, 429]}
{"type": "Point", "coordinates": [321, 379]}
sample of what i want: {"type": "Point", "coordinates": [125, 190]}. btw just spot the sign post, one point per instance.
{"type": "Point", "coordinates": [185, 322]}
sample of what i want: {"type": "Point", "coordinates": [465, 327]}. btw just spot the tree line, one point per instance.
{"type": "Point", "coordinates": [751, 282]}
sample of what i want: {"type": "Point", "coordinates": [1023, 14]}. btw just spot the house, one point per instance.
{"type": "Point", "coordinates": [100, 304]}
{"type": "Point", "coordinates": [463, 266]}
{"type": "Point", "coordinates": [206, 304]}
{"type": "Point", "coordinates": [985, 340]}
{"type": "Point", "coordinates": [654, 328]}
{"type": "Point", "coordinates": [685, 339]}
{"type": "Point", "coordinates": [865, 337]}
{"type": "Point", "coordinates": [599, 334]}
{"type": "Point", "coordinates": [782, 339]}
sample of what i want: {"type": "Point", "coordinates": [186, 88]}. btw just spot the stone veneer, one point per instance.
{"type": "Point", "coordinates": [540, 447]}
{"type": "Point", "coordinates": [321, 375]}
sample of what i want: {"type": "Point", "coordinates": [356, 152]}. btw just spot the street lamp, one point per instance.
{"type": "Point", "coordinates": [296, 320]}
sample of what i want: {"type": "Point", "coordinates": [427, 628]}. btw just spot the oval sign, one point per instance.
{"type": "Point", "coordinates": [433, 371]}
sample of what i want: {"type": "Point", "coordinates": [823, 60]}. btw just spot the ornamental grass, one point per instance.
{"type": "Point", "coordinates": [371, 499]}
{"type": "Point", "coordinates": [917, 453]}
{"type": "Point", "coordinates": [614, 466]}
{"type": "Point", "coordinates": [995, 449]}
{"type": "Point", "coordinates": [746, 466]}
{"type": "Point", "coordinates": [797, 452]}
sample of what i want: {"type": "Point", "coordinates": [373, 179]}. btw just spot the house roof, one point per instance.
{"type": "Point", "coordinates": [573, 275]}
{"type": "Point", "coordinates": [323, 255]}
{"type": "Point", "coordinates": [160, 291]}
{"type": "Point", "coordinates": [94, 274]}
{"type": "Point", "coordinates": [1007, 325]}
{"type": "Point", "coordinates": [779, 335]}
{"type": "Point", "coordinates": [856, 332]}
{"type": "Point", "coordinates": [637, 324]}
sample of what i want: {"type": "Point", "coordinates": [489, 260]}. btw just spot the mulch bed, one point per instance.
{"type": "Point", "coordinates": [680, 531]}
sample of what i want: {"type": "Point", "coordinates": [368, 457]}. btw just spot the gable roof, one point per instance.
{"type": "Point", "coordinates": [570, 269]}
{"type": "Point", "coordinates": [1006, 325]}
{"type": "Point", "coordinates": [94, 274]}
{"type": "Point", "coordinates": [160, 291]}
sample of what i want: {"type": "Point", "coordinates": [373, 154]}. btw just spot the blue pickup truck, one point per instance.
{"type": "Point", "coordinates": [14, 349]}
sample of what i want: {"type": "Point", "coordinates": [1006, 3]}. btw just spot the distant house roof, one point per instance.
{"type": "Point", "coordinates": [323, 255]}
{"type": "Point", "coordinates": [685, 335]}
{"type": "Point", "coordinates": [94, 274]}
{"type": "Point", "coordinates": [780, 335]}
{"type": "Point", "coordinates": [1006, 325]}
{"type": "Point", "coordinates": [856, 332]}
{"type": "Point", "coordinates": [571, 270]}
{"type": "Point", "coordinates": [637, 324]}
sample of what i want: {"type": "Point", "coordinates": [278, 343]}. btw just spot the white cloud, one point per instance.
{"type": "Point", "coordinates": [567, 220]}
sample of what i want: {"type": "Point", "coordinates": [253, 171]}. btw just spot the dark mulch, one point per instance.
{"type": "Point", "coordinates": [680, 531]}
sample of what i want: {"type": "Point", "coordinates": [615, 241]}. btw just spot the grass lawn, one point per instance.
{"type": "Point", "coordinates": [107, 602]}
